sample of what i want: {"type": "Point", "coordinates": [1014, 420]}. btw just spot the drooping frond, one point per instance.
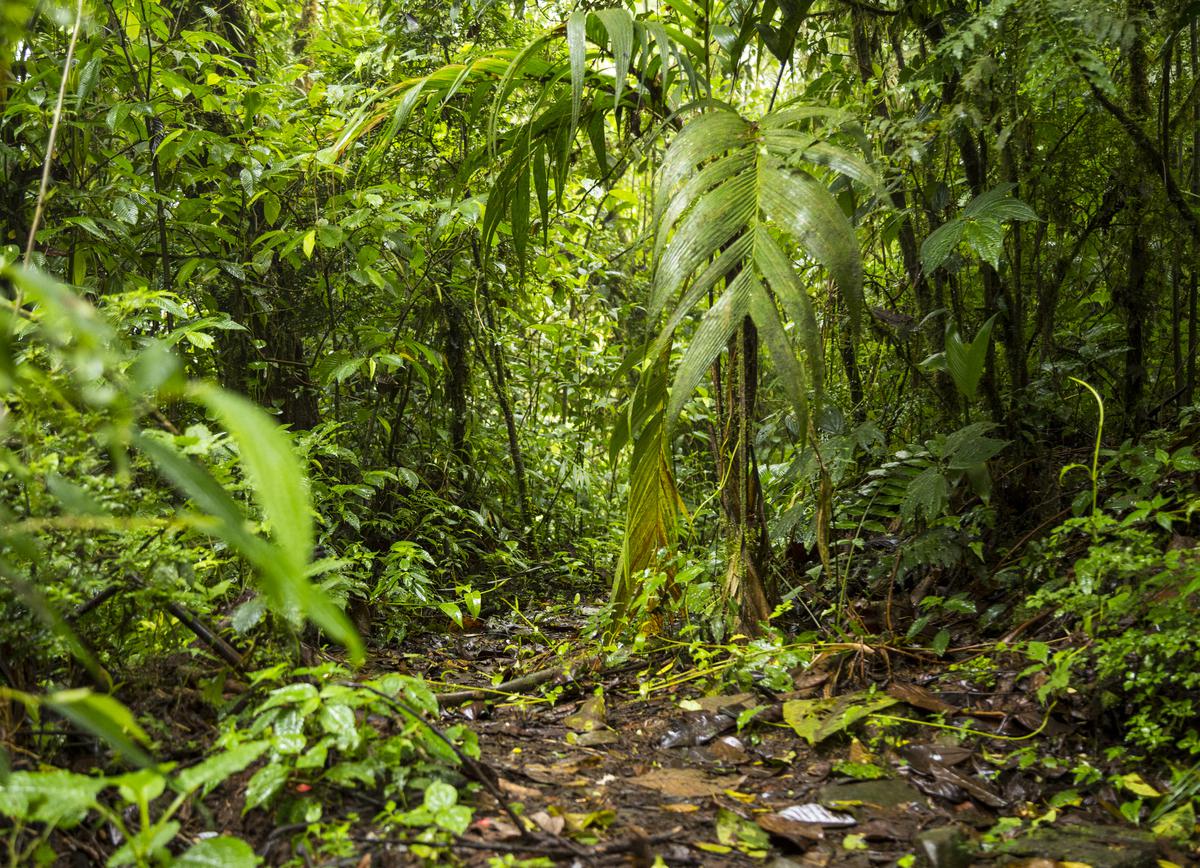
{"type": "Point", "coordinates": [734, 195]}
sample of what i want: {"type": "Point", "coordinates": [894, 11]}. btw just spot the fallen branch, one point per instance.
{"type": "Point", "coordinates": [559, 674]}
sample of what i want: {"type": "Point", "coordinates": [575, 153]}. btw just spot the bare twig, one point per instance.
{"type": "Point", "coordinates": [58, 107]}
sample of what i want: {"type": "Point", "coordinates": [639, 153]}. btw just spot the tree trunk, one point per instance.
{"type": "Point", "coordinates": [749, 548]}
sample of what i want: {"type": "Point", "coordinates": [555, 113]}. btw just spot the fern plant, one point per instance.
{"type": "Point", "coordinates": [734, 195]}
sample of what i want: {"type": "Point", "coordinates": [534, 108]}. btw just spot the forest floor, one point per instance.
{"type": "Point", "coordinates": [870, 755]}
{"type": "Point", "coordinates": [874, 757]}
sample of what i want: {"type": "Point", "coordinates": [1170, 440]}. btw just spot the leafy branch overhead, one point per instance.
{"type": "Point", "coordinates": [980, 226]}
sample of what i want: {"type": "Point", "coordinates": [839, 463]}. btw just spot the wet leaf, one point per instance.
{"type": "Point", "coordinates": [266, 782]}
{"type": "Point", "coordinates": [816, 815]}
{"type": "Point", "coordinates": [1136, 785]}
{"type": "Point", "coordinates": [697, 729]}
{"type": "Point", "coordinates": [919, 697]}
{"type": "Point", "coordinates": [221, 852]}
{"type": "Point", "coordinates": [589, 717]}
{"type": "Point", "coordinates": [803, 835]}
{"type": "Point", "coordinates": [1179, 824]}
{"type": "Point", "coordinates": [860, 771]}
{"type": "Point", "coordinates": [684, 783]}
{"type": "Point", "coordinates": [734, 830]}
{"type": "Point", "coordinates": [815, 720]}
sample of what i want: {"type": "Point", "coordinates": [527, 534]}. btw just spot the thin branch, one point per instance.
{"type": "Point", "coordinates": [58, 107]}
{"type": "Point", "coordinates": [1150, 151]}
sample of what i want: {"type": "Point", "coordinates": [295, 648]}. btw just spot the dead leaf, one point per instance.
{"type": "Point", "coordinates": [680, 808]}
{"type": "Point", "coordinates": [859, 753]}
{"type": "Point", "coordinates": [729, 749]}
{"type": "Point", "coordinates": [594, 737]}
{"type": "Point", "coordinates": [720, 703]}
{"type": "Point", "coordinates": [803, 835]}
{"type": "Point", "coordinates": [922, 756]}
{"type": "Point", "coordinates": [548, 823]}
{"type": "Point", "coordinates": [589, 717]}
{"type": "Point", "coordinates": [518, 791]}
{"type": "Point", "coordinates": [974, 787]}
{"type": "Point", "coordinates": [684, 783]}
{"type": "Point", "coordinates": [919, 697]}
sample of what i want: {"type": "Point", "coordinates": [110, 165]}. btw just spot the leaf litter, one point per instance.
{"type": "Point", "coordinates": [919, 765]}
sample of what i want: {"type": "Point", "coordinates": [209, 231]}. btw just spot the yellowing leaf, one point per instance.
{"type": "Point", "coordinates": [1136, 785]}
{"type": "Point", "coordinates": [815, 720]}
{"type": "Point", "coordinates": [708, 847]}
{"type": "Point", "coordinates": [745, 798]}
{"type": "Point", "coordinates": [310, 242]}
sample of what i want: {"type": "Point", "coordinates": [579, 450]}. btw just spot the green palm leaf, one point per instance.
{"type": "Point", "coordinates": [726, 186]}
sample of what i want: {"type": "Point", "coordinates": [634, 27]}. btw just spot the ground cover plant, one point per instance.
{"type": "Point", "coordinates": [680, 432]}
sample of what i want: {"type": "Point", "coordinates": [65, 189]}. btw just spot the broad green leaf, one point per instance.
{"type": "Point", "coordinates": [815, 720]}
{"type": "Point", "coordinates": [104, 717]}
{"type": "Point", "coordinates": [141, 787]}
{"type": "Point", "coordinates": [439, 796]}
{"type": "Point", "coordinates": [221, 852]}
{"type": "Point", "coordinates": [338, 720]}
{"type": "Point", "coordinates": [265, 783]}
{"type": "Point", "coordinates": [927, 493]}
{"type": "Point", "coordinates": [936, 249]}
{"type": "Point", "coordinates": [986, 237]}
{"type": "Point", "coordinates": [56, 797]}
{"type": "Point", "coordinates": [966, 361]}
{"type": "Point", "coordinates": [215, 769]}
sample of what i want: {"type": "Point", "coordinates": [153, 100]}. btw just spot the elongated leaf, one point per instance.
{"type": "Point", "coordinates": [275, 472]}
{"type": "Point", "coordinates": [791, 373]}
{"type": "Point", "coordinates": [619, 24]}
{"type": "Point", "coordinates": [526, 57]}
{"type": "Point", "coordinates": [519, 219]}
{"type": "Point", "coordinates": [715, 220]}
{"type": "Point", "coordinates": [805, 208]}
{"type": "Point", "coordinates": [966, 361]}
{"type": "Point", "coordinates": [781, 278]}
{"type": "Point", "coordinates": [215, 769]}
{"type": "Point", "coordinates": [700, 140]}
{"type": "Point", "coordinates": [713, 174]}
{"type": "Point", "coordinates": [105, 718]}
{"type": "Point", "coordinates": [577, 52]}
{"type": "Point", "coordinates": [731, 257]}
{"type": "Point", "coordinates": [719, 324]}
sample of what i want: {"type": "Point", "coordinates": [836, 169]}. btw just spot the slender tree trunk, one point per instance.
{"type": "Point", "coordinates": [457, 380]}
{"type": "Point", "coordinates": [747, 580]}
{"type": "Point", "coordinates": [1132, 298]}
{"type": "Point", "coordinates": [1190, 389]}
{"type": "Point", "coordinates": [499, 379]}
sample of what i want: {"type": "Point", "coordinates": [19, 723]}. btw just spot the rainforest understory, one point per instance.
{"type": "Point", "coordinates": [677, 432]}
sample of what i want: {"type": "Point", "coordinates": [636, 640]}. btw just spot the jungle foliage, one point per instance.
{"type": "Point", "coordinates": [326, 326]}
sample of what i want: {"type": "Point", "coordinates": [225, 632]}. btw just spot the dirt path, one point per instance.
{"type": "Point", "coordinates": [609, 773]}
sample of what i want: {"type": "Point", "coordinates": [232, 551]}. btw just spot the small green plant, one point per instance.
{"type": "Point", "coordinates": [322, 732]}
